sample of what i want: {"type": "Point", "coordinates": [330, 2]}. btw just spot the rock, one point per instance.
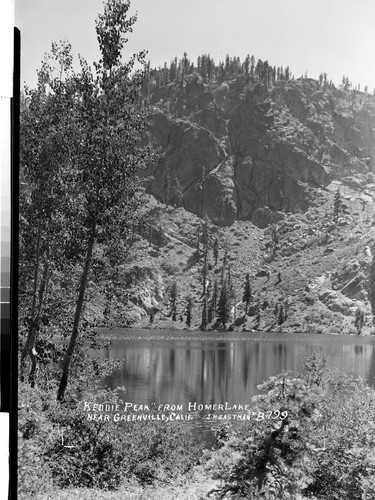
{"type": "Point", "coordinates": [262, 273]}
{"type": "Point", "coordinates": [336, 302]}
{"type": "Point", "coordinates": [355, 288]}
{"type": "Point", "coordinates": [231, 148]}
{"type": "Point", "coordinates": [264, 216]}
{"type": "Point", "coordinates": [343, 223]}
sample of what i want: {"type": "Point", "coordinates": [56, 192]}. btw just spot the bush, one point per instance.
{"type": "Point", "coordinates": [324, 449]}
{"type": "Point", "coordinates": [58, 446]}
{"type": "Point", "coordinates": [170, 268]}
{"type": "Point", "coordinates": [33, 473]}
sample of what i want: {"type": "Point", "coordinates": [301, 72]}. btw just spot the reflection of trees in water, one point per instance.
{"type": "Point", "coordinates": [174, 372]}
{"type": "Point", "coordinates": [172, 357]}
{"type": "Point", "coordinates": [370, 376]}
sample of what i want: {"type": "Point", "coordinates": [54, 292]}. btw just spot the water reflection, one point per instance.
{"type": "Point", "coordinates": [174, 370]}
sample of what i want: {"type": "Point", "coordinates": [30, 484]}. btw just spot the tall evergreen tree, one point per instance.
{"type": "Point", "coordinates": [282, 316]}
{"type": "Point", "coordinates": [173, 300]}
{"type": "Point", "coordinates": [336, 206]}
{"type": "Point", "coordinates": [177, 192]}
{"type": "Point", "coordinates": [359, 319]}
{"type": "Point", "coordinates": [204, 272]}
{"type": "Point", "coordinates": [216, 250]}
{"type": "Point", "coordinates": [274, 238]}
{"type": "Point", "coordinates": [247, 292]}
{"type": "Point", "coordinates": [257, 314]}
{"type": "Point", "coordinates": [168, 185]}
{"type": "Point", "coordinates": [204, 314]}
{"type": "Point", "coordinates": [371, 288]}
{"type": "Point", "coordinates": [223, 306]}
{"type": "Point", "coordinates": [189, 307]}
{"type": "Point", "coordinates": [213, 299]}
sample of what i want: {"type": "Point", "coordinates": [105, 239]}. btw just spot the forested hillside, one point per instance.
{"type": "Point", "coordinates": [274, 172]}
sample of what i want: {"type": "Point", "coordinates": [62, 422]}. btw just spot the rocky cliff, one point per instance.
{"type": "Point", "coordinates": [260, 167]}
{"type": "Point", "coordinates": [230, 150]}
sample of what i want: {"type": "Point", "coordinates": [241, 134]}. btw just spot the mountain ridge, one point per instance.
{"type": "Point", "coordinates": [269, 147]}
{"type": "Point", "coordinates": [246, 159]}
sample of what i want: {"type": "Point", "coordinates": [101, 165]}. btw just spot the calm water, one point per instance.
{"type": "Point", "coordinates": [179, 367]}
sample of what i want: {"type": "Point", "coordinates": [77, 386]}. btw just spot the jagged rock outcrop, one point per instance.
{"type": "Point", "coordinates": [232, 148]}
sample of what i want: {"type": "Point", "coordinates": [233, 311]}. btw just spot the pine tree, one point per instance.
{"type": "Point", "coordinates": [336, 206]}
{"type": "Point", "coordinates": [173, 70]}
{"type": "Point", "coordinates": [204, 272]}
{"type": "Point", "coordinates": [213, 301]}
{"type": "Point", "coordinates": [281, 317]}
{"type": "Point", "coordinates": [216, 250]}
{"type": "Point", "coordinates": [359, 319]}
{"type": "Point", "coordinates": [231, 290]}
{"type": "Point", "coordinates": [177, 191]}
{"type": "Point", "coordinates": [247, 292]}
{"type": "Point", "coordinates": [185, 65]}
{"type": "Point", "coordinates": [274, 238]}
{"type": "Point", "coordinates": [204, 314]}
{"type": "Point", "coordinates": [223, 307]}
{"type": "Point", "coordinates": [225, 258]}
{"type": "Point", "coordinates": [205, 232]}
{"type": "Point", "coordinates": [257, 314]}
{"type": "Point", "coordinates": [247, 66]}
{"type": "Point", "coordinates": [198, 249]}
{"type": "Point", "coordinates": [210, 310]}
{"type": "Point", "coordinates": [167, 186]}
{"type": "Point", "coordinates": [189, 307]}
{"type": "Point", "coordinates": [173, 300]}
{"type": "Point", "coordinates": [371, 289]}
{"type": "Point", "coordinates": [159, 237]}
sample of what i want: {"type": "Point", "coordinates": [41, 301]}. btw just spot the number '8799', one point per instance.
{"type": "Point", "coordinates": [270, 415]}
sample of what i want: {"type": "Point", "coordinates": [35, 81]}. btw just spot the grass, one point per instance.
{"type": "Point", "coordinates": [195, 486]}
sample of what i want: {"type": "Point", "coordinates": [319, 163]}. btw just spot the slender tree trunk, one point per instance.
{"type": "Point", "coordinates": [29, 348]}
{"type": "Point", "coordinates": [35, 324]}
{"type": "Point", "coordinates": [77, 317]}
{"type": "Point", "coordinates": [36, 271]}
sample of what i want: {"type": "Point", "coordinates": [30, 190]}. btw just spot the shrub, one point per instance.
{"type": "Point", "coordinates": [323, 449]}
{"type": "Point", "coordinates": [60, 446]}
{"type": "Point", "coordinates": [170, 268]}
{"type": "Point", "coordinates": [268, 456]}
{"type": "Point", "coordinates": [33, 429]}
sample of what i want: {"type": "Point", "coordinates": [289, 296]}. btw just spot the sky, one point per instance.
{"type": "Point", "coordinates": [311, 36]}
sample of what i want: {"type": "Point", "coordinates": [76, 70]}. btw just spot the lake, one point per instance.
{"type": "Point", "coordinates": [174, 367]}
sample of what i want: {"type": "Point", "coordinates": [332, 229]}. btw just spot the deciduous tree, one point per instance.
{"type": "Point", "coordinates": [108, 148]}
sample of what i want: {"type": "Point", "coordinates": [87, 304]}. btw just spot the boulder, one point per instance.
{"type": "Point", "coordinates": [336, 302]}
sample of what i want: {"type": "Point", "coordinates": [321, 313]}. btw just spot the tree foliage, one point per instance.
{"type": "Point", "coordinates": [323, 449]}
{"type": "Point", "coordinates": [247, 294]}
{"type": "Point", "coordinates": [337, 201]}
{"type": "Point", "coordinates": [189, 308]}
{"type": "Point", "coordinates": [223, 305]}
{"type": "Point", "coordinates": [173, 300]}
{"type": "Point", "coordinates": [80, 152]}
{"type": "Point", "coordinates": [371, 288]}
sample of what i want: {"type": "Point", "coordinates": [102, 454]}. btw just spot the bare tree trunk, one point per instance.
{"type": "Point", "coordinates": [29, 348]}
{"type": "Point", "coordinates": [36, 272]}
{"type": "Point", "coordinates": [77, 317]}
{"type": "Point", "coordinates": [35, 325]}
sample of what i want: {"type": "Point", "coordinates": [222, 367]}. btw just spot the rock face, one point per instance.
{"type": "Point", "coordinates": [232, 148]}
